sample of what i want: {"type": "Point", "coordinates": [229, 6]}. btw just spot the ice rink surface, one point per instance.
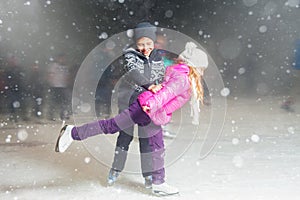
{"type": "Point", "coordinates": [256, 157]}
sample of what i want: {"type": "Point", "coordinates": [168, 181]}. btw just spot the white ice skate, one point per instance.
{"type": "Point", "coordinates": [164, 189]}
{"type": "Point", "coordinates": [148, 182]}
{"type": "Point", "coordinates": [64, 139]}
{"type": "Point", "coordinates": [195, 122]}
{"type": "Point", "coordinates": [168, 134]}
{"type": "Point", "coordinates": [112, 177]}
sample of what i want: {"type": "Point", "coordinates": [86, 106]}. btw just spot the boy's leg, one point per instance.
{"type": "Point", "coordinates": [145, 152]}
{"type": "Point", "coordinates": [123, 141]}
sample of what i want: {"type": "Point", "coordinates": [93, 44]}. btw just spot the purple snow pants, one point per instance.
{"type": "Point", "coordinates": [127, 118]}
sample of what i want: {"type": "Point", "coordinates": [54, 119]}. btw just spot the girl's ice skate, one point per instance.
{"type": "Point", "coordinates": [64, 139]}
{"type": "Point", "coordinates": [164, 189]}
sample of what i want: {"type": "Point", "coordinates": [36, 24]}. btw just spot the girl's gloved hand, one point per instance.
{"type": "Point", "coordinates": [155, 88]}
{"type": "Point", "coordinates": [146, 109]}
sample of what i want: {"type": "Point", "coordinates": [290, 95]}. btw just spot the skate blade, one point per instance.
{"type": "Point", "coordinates": [148, 187]}
{"type": "Point", "coordinates": [169, 135]}
{"type": "Point", "coordinates": [110, 183]}
{"type": "Point", "coordinates": [163, 194]}
{"type": "Point", "coordinates": [62, 130]}
{"type": "Point", "coordinates": [63, 124]}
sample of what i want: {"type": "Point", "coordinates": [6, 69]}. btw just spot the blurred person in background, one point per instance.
{"type": "Point", "coordinates": [288, 103]}
{"type": "Point", "coordinates": [37, 90]}
{"type": "Point", "coordinates": [15, 92]}
{"type": "Point", "coordinates": [58, 79]}
{"type": "Point", "coordinates": [2, 89]}
{"type": "Point", "coordinates": [105, 89]}
{"type": "Point", "coordinates": [162, 45]}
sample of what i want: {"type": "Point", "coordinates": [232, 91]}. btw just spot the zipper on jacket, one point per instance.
{"type": "Point", "coordinates": [148, 69]}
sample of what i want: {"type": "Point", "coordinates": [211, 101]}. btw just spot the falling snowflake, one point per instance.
{"type": "Point", "coordinates": [110, 45]}
{"type": "Point", "coordinates": [225, 92]}
{"type": "Point", "coordinates": [16, 104]}
{"type": "Point", "coordinates": [293, 3]}
{"type": "Point", "coordinates": [22, 135]}
{"type": "Point", "coordinates": [85, 107]}
{"type": "Point", "coordinates": [8, 139]}
{"type": "Point", "coordinates": [130, 33]}
{"type": "Point", "coordinates": [169, 13]}
{"type": "Point", "coordinates": [103, 35]}
{"type": "Point", "coordinates": [255, 138]}
{"type": "Point", "coordinates": [291, 130]}
{"type": "Point", "coordinates": [87, 160]}
{"type": "Point", "coordinates": [242, 70]}
{"type": "Point", "coordinates": [235, 141]}
{"type": "Point", "coordinates": [263, 29]}
{"type": "Point", "coordinates": [238, 161]}
{"type": "Point", "coordinates": [27, 3]}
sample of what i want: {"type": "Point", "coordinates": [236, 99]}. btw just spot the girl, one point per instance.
{"type": "Point", "coordinates": [195, 57]}
{"type": "Point", "coordinates": [157, 105]}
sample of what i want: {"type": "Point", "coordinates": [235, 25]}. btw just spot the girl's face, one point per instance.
{"type": "Point", "coordinates": [145, 45]}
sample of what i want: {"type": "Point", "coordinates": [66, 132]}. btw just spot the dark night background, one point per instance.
{"type": "Point", "coordinates": [252, 42]}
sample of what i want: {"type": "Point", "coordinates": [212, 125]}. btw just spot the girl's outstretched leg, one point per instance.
{"type": "Point", "coordinates": [133, 115]}
{"type": "Point", "coordinates": [70, 133]}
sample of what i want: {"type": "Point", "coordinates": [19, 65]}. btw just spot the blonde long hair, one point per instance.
{"type": "Point", "coordinates": [196, 77]}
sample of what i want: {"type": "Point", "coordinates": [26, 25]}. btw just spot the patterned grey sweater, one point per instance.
{"type": "Point", "coordinates": [139, 74]}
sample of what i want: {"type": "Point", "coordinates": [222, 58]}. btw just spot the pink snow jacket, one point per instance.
{"type": "Point", "coordinates": [173, 95]}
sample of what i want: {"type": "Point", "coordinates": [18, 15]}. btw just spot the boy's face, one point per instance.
{"type": "Point", "coordinates": [145, 45]}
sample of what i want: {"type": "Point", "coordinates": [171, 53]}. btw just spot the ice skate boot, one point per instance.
{"type": "Point", "coordinates": [164, 189]}
{"type": "Point", "coordinates": [112, 177]}
{"type": "Point", "coordinates": [64, 139]}
{"type": "Point", "coordinates": [195, 122]}
{"type": "Point", "coordinates": [148, 182]}
{"type": "Point", "coordinates": [168, 134]}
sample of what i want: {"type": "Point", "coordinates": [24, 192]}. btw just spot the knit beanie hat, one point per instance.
{"type": "Point", "coordinates": [145, 29]}
{"type": "Point", "coordinates": [193, 56]}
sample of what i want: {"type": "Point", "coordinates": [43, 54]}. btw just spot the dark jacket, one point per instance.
{"type": "Point", "coordinates": [139, 74]}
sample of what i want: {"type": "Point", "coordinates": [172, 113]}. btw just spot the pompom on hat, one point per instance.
{"type": "Point", "coordinates": [145, 29]}
{"type": "Point", "coordinates": [193, 56]}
